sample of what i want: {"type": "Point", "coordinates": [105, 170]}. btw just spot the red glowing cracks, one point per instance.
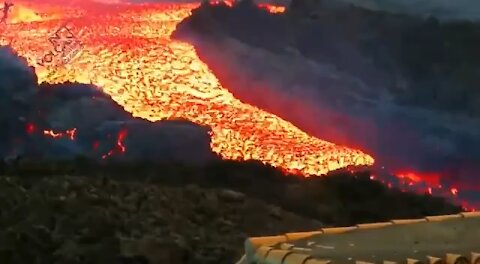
{"type": "Point", "coordinates": [119, 146]}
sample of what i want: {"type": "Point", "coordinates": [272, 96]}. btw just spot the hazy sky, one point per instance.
{"type": "Point", "coordinates": [448, 9]}
{"type": "Point", "coordinates": [466, 9]}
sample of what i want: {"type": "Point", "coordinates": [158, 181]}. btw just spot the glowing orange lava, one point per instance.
{"type": "Point", "coordinates": [69, 133]}
{"type": "Point", "coordinates": [128, 52]}
{"type": "Point", "coordinates": [273, 9]}
{"type": "Point", "coordinates": [432, 179]}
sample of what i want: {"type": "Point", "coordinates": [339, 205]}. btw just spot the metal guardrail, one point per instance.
{"type": "Point", "coordinates": [280, 250]}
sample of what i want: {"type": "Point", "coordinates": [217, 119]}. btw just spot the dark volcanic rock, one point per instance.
{"type": "Point", "coordinates": [166, 141]}
{"type": "Point", "coordinates": [65, 121]}
{"type": "Point", "coordinates": [233, 196]}
{"type": "Point", "coordinates": [17, 95]}
{"type": "Point", "coordinates": [104, 222]}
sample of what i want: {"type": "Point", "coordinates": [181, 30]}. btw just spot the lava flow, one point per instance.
{"type": "Point", "coordinates": [128, 52]}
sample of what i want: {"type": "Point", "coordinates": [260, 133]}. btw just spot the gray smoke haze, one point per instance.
{"type": "Point", "coordinates": [101, 126]}
{"type": "Point", "coordinates": [336, 106]}
{"type": "Point", "coordinates": [446, 9]}
{"type": "Point", "coordinates": [17, 94]}
{"type": "Point", "coordinates": [443, 9]}
{"type": "Point", "coordinates": [339, 107]}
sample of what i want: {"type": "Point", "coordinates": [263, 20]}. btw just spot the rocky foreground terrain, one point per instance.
{"type": "Point", "coordinates": [81, 212]}
{"type": "Point", "coordinates": [75, 220]}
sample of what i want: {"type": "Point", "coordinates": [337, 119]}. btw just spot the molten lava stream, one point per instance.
{"type": "Point", "coordinates": [128, 52]}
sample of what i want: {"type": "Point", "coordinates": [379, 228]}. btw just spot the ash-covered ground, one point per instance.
{"type": "Point", "coordinates": [400, 87]}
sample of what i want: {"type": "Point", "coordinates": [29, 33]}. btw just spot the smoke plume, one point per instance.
{"type": "Point", "coordinates": [333, 104]}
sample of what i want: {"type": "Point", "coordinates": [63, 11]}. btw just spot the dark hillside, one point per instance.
{"type": "Point", "coordinates": [172, 213]}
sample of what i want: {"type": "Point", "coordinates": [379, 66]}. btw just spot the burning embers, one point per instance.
{"type": "Point", "coordinates": [427, 183]}
{"type": "Point", "coordinates": [119, 145]}
{"type": "Point", "coordinates": [69, 134]}
{"type": "Point", "coordinates": [270, 8]}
